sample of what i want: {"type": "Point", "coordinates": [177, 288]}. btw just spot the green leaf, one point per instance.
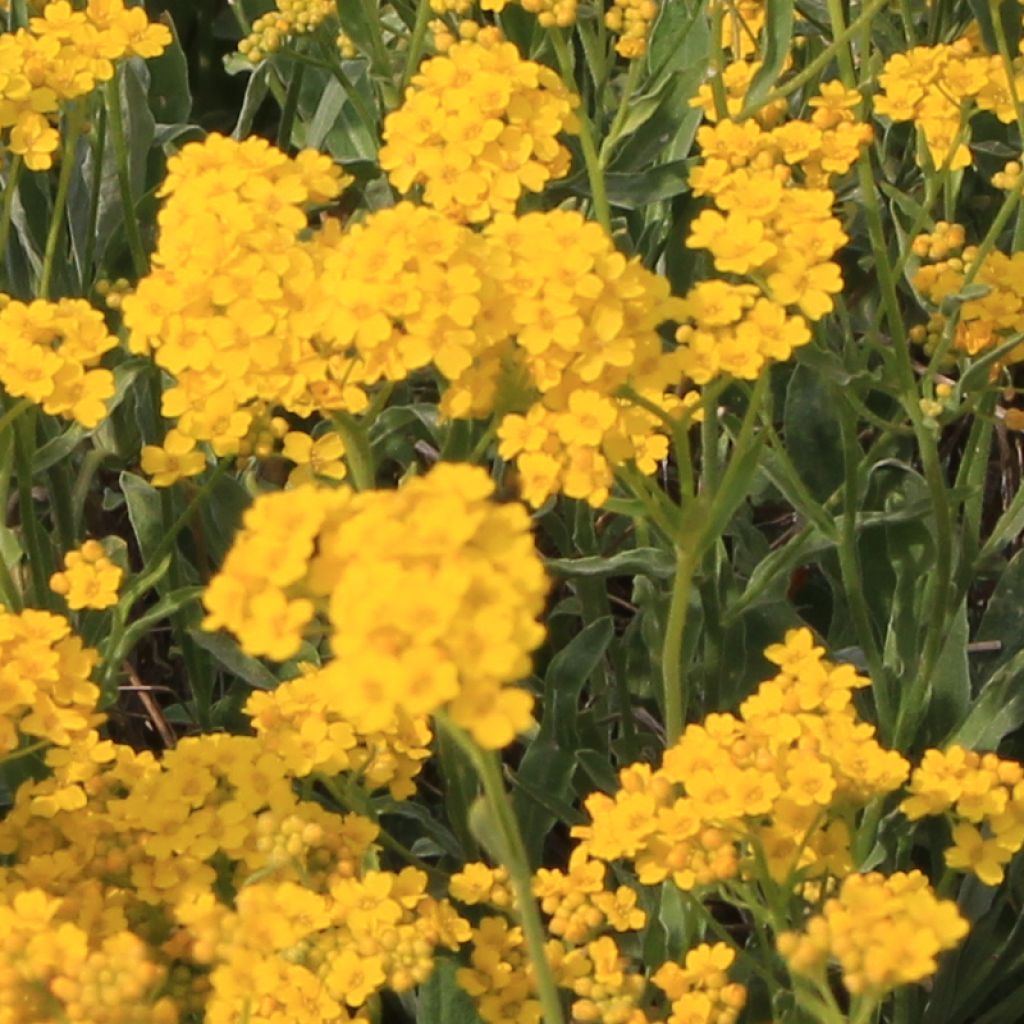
{"type": "Point", "coordinates": [255, 93]}
{"type": "Point", "coordinates": [170, 97]}
{"type": "Point", "coordinates": [221, 516]}
{"type": "Point", "coordinates": [634, 191]}
{"type": "Point", "coordinates": [543, 793]}
{"type": "Point", "coordinates": [638, 561]}
{"type": "Point", "coordinates": [487, 832]}
{"type": "Point", "coordinates": [778, 33]}
{"type": "Point", "coordinates": [812, 432]}
{"type": "Point", "coordinates": [168, 605]}
{"type": "Point", "coordinates": [442, 1001]}
{"type": "Point", "coordinates": [229, 655]}
{"type": "Point", "coordinates": [1001, 621]}
{"type": "Point", "coordinates": [144, 512]}
{"type": "Point", "coordinates": [57, 449]}
{"type": "Point", "coordinates": [679, 39]}
{"type": "Point", "coordinates": [566, 676]}
{"type": "Point", "coordinates": [460, 790]}
{"type": "Point", "coordinates": [997, 711]}
{"type": "Point", "coordinates": [597, 768]}
{"type": "Point", "coordinates": [951, 682]}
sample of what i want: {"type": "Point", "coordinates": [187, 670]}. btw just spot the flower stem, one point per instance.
{"type": "Point", "coordinates": [415, 51]}
{"type": "Point", "coordinates": [691, 545]}
{"type": "Point", "coordinates": [7, 205]}
{"type": "Point", "coordinates": [112, 93]}
{"type": "Point", "coordinates": [488, 768]}
{"type": "Point", "coordinates": [72, 128]}
{"type": "Point", "coordinates": [595, 175]}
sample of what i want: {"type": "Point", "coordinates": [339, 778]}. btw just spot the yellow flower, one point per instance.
{"type": "Point", "coordinates": [89, 580]}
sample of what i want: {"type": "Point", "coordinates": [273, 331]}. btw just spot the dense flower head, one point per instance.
{"type": "Point", "coordinates": [984, 321]}
{"type": "Point", "coordinates": [772, 223]}
{"type": "Point", "coordinates": [430, 595]}
{"type": "Point", "coordinates": [884, 932]}
{"type": "Point", "coordinates": [699, 988]}
{"type": "Point", "coordinates": [45, 687]}
{"type": "Point", "coordinates": [293, 952]}
{"type": "Point", "coordinates": [55, 970]}
{"type": "Point", "coordinates": [306, 722]}
{"type": "Point", "coordinates": [63, 55]}
{"type": "Point", "coordinates": [938, 88]}
{"type": "Point", "coordinates": [631, 20]}
{"type": "Point", "coordinates": [479, 127]}
{"type": "Point", "coordinates": [287, 19]}
{"type": "Point", "coordinates": [229, 309]}
{"type": "Point", "coordinates": [771, 786]}
{"type": "Point", "coordinates": [586, 323]}
{"type": "Point", "coordinates": [983, 795]}
{"type": "Point", "coordinates": [51, 355]}
{"type": "Point", "coordinates": [409, 288]}
{"type": "Point", "coordinates": [742, 25]}
{"type": "Point", "coordinates": [90, 579]}
{"type": "Point", "coordinates": [736, 78]}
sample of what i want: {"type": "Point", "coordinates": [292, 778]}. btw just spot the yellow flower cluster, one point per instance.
{"type": "Point", "coordinates": [631, 21]}
{"type": "Point", "coordinates": [772, 787]}
{"type": "Point", "coordinates": [742, 24]}
{"type": "Point", "coordinates": [61, 56]}
{"type": "Point", "coordinates": [938, 88]}
{"type": "Point", "coordinates": [225, 308]}
{"type": "Point", "coordinates": [538, 313]}
{"type": "Point", "coordinates": [123, 906]}
{"type": "Point", "coordinates": [984, 321]}
{"type": "Point", "coordinates": [884, 932]}
{"type": "Point", "coordinates": [700, 989]}
{"type": "Point", "coordinates": [586, 960]}
{"type": "Point", "coordinates": [55, 970]}
{"type": "Point", "coordinates": [276, 28]}
{"type": "Point", "coordinates": [51, 355]}
{"type": "Point", "coordinates": [89, 580]}
{"type": "Point", "coordinates": [736, 79]}
{"type": "Point", "coordinates": [430, 593]}
{"type": "Point", "coordinates": [477, 128]}
{"type": "Point", "coordinates": [500, 975]}
{"type": "Point", "coordinates": [586, 323]}
{"type": "Point", "coordinates": [772, 227]}
{"type": "Point", "coordinates": [306, 722]}
{"type": "Point", "coordinates": [305, 953]}
{"type": "Point", "coordinates": [45, 690]}
{"type": "Point", "coordinates": [409, 288]}
{"type": "Point", "coordinates": [579, 905]}
{"type": "Point", "coordinates": [983, 795]}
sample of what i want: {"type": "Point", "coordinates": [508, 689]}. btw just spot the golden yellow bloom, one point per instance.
{"type": "Point", "coordinates": [479, 126]}
{"type": "Point", "coordinates": [89, 580]}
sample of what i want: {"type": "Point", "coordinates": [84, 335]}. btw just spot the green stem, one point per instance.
{"type": "Point", "coordinates": [99, 150]}
{"type": "Point", "coordinates": [673, 677]}
{"type": "Point", "coordinates": [416, 41]}
{"type": "Point", "coordinates": [40, 557]}
{"type": "Point", "coordinates": [7, 206]}
{"type": "Point", "coordinates": [595, 174]}
{"type": "Point", "coordinates": [358, 454]}
{"type": "Point", "coordinates": [488, 767]}
{"type": "Point", "coordinates": [691, 545]}
{"type": "Point", "coordinates": [122, 155]}
{"type": "Point", "coordinates": [332, 63]}
{"type": "Point", "coordinates": [999, 222]}
{"type": "Point", "coordinates": [612, 138]}
{"type": "Point", "coordinates": [839, 39]}
{"type": "Point", "coordinates": [72, 129]}
{"type": "Point", "coordinates": [291, 106]}
{"type": "Point", "coordinates": [32, 748]}
{"type": "Point", "coordinates": [849, 564]}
